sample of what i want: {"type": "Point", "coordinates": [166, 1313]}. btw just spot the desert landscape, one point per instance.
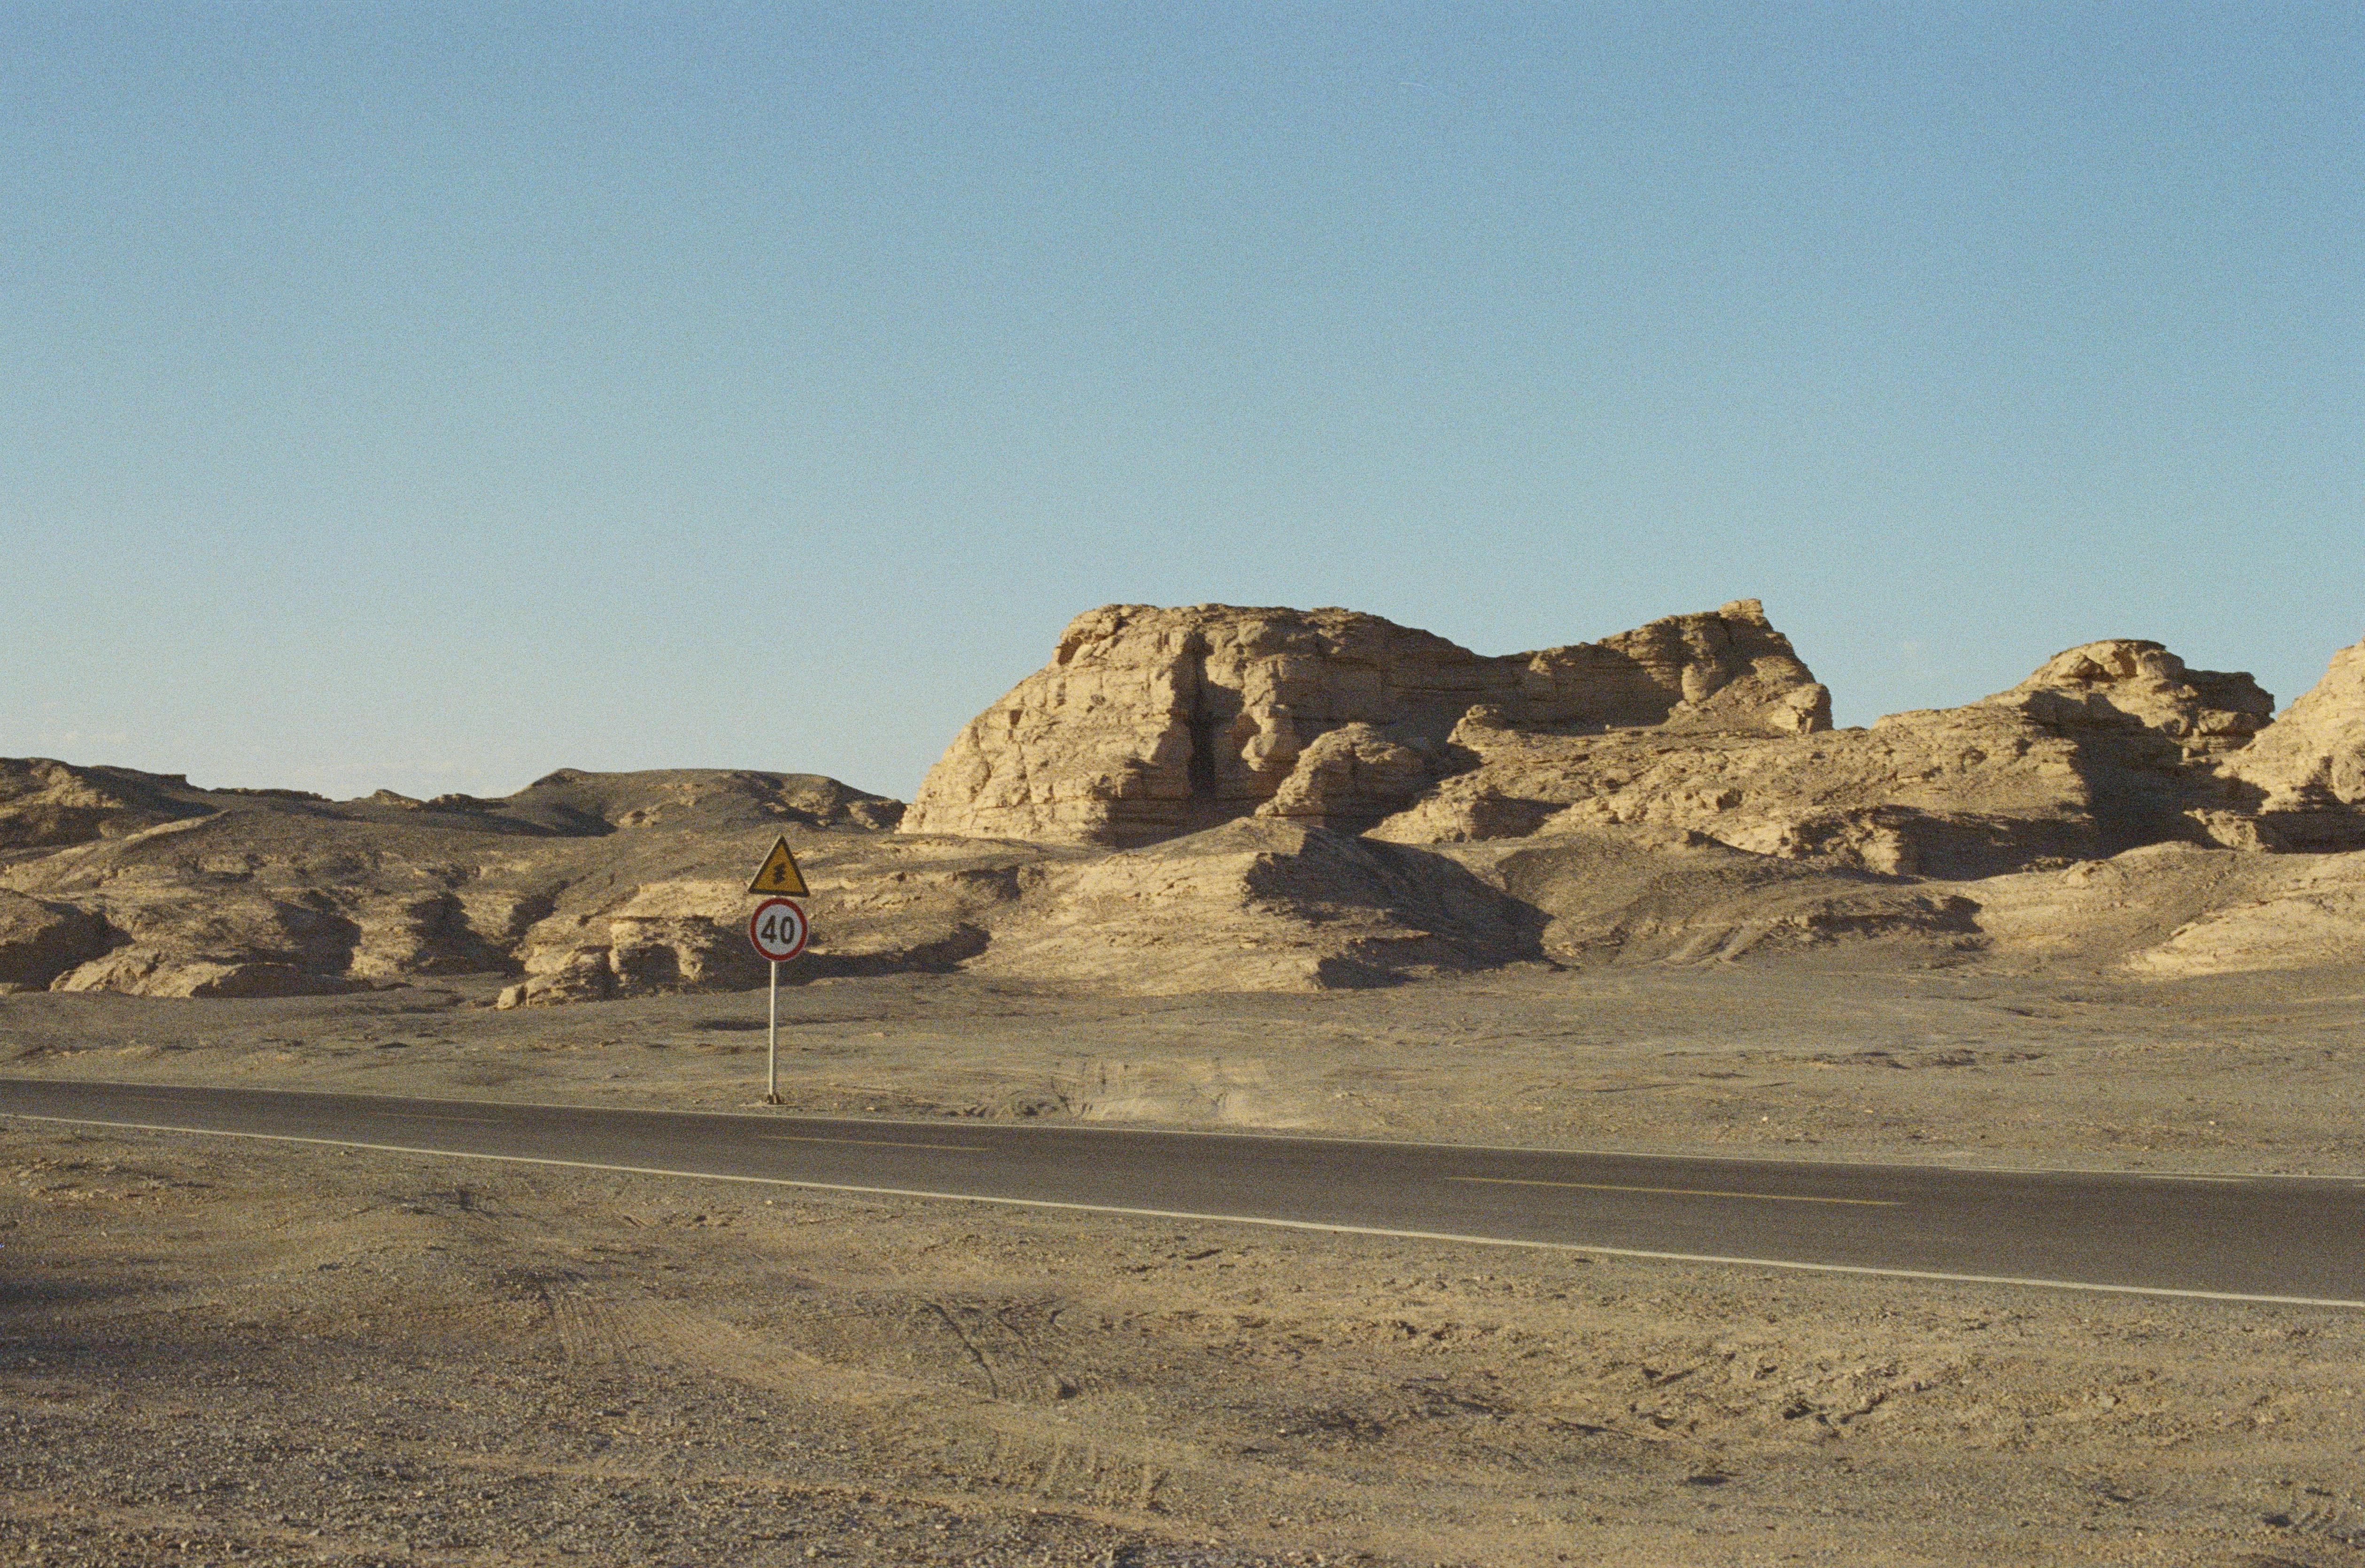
{"type": "Point", "coordinates": [1238, 869]}
{"type": "Point", "coordinates": [1278, 801]}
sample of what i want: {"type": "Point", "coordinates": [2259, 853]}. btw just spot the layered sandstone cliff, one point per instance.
{"type": "Point", "coordinates": [1149, 722]}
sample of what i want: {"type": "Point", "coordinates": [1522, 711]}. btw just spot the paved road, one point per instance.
{"type": "Point", "coordinates": [2238, 1237]}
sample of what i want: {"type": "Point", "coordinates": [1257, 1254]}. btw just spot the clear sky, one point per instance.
{"type": "Point", "coordinates": [432, 395]}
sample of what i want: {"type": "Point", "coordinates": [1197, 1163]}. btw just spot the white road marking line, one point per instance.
{"type": "Point", "coordinates": [872, 1142]}
{"type": "Point", "coordinates": [432, 1117]}
{"type": "Point", "coordinates": [1317, 1225]}
{"type": "Point", "coordinates": [2134, 1175]}
{"type": "Point", "coordinates": [1682, 1191]}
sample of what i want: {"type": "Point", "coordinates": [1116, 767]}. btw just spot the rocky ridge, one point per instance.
{"type": "Point", "coordinates": [1151, 723]}
{"type": "Point", "coordinates": [1211, 799]}
{"type": "Point", "coordinates": [582, 886]}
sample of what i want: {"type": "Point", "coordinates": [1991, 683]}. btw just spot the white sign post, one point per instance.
{"type": "Point", "coordinates": [778, 931]}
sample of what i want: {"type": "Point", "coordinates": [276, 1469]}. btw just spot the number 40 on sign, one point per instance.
{"type": "Point", "coordinates": [778, 930]}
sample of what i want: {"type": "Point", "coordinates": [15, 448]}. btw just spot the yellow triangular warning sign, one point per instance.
{"type": "Point", "coordinates": [780, 874]}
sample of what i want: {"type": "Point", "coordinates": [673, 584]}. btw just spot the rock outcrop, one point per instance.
{"type": "Point", "coordinates": [2103, 748]}
{"type": "Point", "coordinates": [2122, 682]}
{"type": "Point", "coordinates": [45, 803]}
{"type": "Point", "coordinates": [1150, 724]}
{"type": "Point", "coordinates": [2308, 767]}
{"type": "Point", "coordinates": [150, 972]}
{"type": "Point", "coordinates": [1965, 792]}
{"type": "Point", "coordinates": [40, 941]}
{"type": "Point", "coordinates": [587, 885]}
{"type": "Point", "coordinates": [1351, 777]}
{"type": "Point", "coordinates": [880, 905]}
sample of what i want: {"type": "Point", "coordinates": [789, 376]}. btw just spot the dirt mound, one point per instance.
{"type": "Point", "coordinates": [1619, 897]}
{"type": "Point", "coordinates": [1261, 905]}
{"type": "Point", "coordinates": [880, 905]}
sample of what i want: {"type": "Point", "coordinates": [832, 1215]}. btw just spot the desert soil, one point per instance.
{"type": "Point", "coordinates": [217, 1350]}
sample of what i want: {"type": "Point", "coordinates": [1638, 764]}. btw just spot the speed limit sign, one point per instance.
{"type": "Point", "coordinates": [777, 930]}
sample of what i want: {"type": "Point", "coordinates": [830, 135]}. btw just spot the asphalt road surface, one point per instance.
{"type": "Point", "coordinates": [2243, 1238]}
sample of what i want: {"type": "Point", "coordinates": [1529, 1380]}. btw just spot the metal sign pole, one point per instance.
{"type": "Point", "coordinates": [772, 1042]}
{"type": "Point", "coordinates": [777, 931]}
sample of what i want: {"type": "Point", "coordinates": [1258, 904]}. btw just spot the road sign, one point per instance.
{"type": "Point", "coordinates": [778, 929]}
{"type": "Point", "coordinates": [780, 875]}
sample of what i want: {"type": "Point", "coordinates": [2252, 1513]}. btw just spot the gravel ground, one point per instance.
{"type": "Point", "coordinates": [219, 1352]}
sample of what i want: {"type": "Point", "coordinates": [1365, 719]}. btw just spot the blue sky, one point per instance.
{"type": "Point", "coordinates": [431, 396]}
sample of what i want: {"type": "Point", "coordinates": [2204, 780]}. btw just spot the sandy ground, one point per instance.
{"type": "Point", "coordinates": [216, 1351]}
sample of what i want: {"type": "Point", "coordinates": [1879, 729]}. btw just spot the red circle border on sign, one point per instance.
{"type": "Point", "coordinates": [804, 930]}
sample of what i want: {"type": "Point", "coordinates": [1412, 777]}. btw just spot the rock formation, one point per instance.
{"type": "Point", "coordinates": [47, 805]}
{"type": "Point", "coordinates": [2123, 683]}
{"type": "Point", "coordinates": [1149, 723]}
{"type": "Point", "coordinates": [1152, 724]}
{"type": "Point", "coordinates": [587, 885]}
{"type": "Point", "coordinates": [2087, 757]}
{"type": "Point", "coordinates": [2308, 767]}
{"type": "Point", "coordinates": [879, 906]}
{"type": "Point", "coordinates": [40, 941]}
{"type": "Point", "coordinates": [1222, 799]}
{"type": "Point", "coordinates": [1352, 775]}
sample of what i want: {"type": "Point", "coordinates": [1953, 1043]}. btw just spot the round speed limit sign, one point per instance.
{"type": "Point", "coordinates": [777, 930]}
